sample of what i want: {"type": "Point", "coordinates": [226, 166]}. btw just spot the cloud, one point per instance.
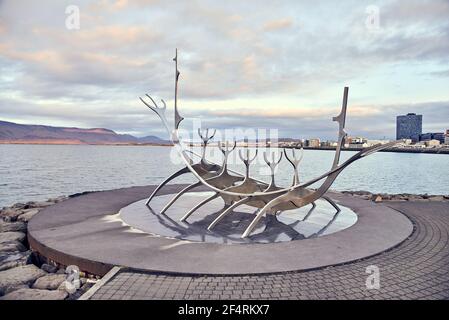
{"type": "Point", "coordinates": [442, 73]}
{"type": "Point", "coordinates": [293, 56]}
{"type": "Point", "coordinates": [278, 24]}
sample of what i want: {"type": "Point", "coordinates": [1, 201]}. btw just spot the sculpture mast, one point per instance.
{"type": "Point", "coordinates": [178, 118]}
{"type": "Point", "coordinates": [341, 119]}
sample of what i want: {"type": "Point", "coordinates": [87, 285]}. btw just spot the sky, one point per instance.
{"type": "Point", "coordinates": [244, 64]}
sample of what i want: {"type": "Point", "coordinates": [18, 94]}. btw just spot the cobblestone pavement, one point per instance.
{"type": "Point", "coordinates": [416, 269]}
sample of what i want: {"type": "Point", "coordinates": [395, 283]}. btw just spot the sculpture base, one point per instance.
{"type": "Point", "coordinates": [88, 231]}
{"type": "Point", "coordinates": [289, 225]}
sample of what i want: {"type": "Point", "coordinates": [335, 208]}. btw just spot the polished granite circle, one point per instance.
{"type": "Point", "coordinates": [88, 231]}
{"type": "Point", "coordinates": [297, 224]}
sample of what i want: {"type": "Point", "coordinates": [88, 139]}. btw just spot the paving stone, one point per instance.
{"type": "Point", "coordinates": [416, 269]}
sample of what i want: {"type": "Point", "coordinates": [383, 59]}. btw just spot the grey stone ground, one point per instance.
{"type": "Point", "coordinates": [416, 269]}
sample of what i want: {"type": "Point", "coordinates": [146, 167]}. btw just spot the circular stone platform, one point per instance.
{"type": "Point", "coordinates": [88, 231]}
{"type": "Point", "coordinates": [298, 224]}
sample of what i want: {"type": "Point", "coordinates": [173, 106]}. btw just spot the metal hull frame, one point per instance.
{"type": "Point", "coordinates": [236, 188]}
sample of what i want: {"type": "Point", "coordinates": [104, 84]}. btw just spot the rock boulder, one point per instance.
{"type": "Point", "coordinates": [38, 204]}
{"type": "Point", "coordinates": [12, 236]}
{"type": "Point", "coordinates": [436, 198]}
{"type": "Point", "coordinates": [49, 268]}
{"type": "Point", "coordinates": [14, 259]}
{"type": "Point", "coordinates": [49, 282]}
{"type": "Point", "coordinates": [10, 214]}
{"type": "Point", "coordinates": [19, 275]}
{"type": "Point", "coordinates": [27, 215]}
{"type": "Point", "coordinates": [11, 246]}
{"type": "Point", "coordinates": [13, 226]}
{"type": "Point", "coordinates": [35, 294]}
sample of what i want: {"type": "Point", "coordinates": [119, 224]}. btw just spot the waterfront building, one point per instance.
{"type": "Point", "coordinates": [372, 142]}
{"type": "Point", "coordinates": [406, 143]}
{"type": "Point", "coordinates": [358, 145]}
{"type": "Point", "coordinates": [356, 142]}
{"type": "Point", "coordinates": [432, 143]}
{"type": "Point", "coordinates": [418, 145]}
{"type": "Point", "coordinates": [329, 144]}
{"type": "Point", "coordinates": [438, 136]}
{"type": "Point", "coordinates": [409, 126]}
{"type": "Point", "coordinates": [432, 136]}
{"type": "Point", "coordinates": [313, 143]}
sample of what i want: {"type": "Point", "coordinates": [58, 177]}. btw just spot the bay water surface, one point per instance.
{"type": "Point", "coordinates": [38, 172]}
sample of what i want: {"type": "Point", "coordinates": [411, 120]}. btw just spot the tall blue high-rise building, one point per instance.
{"type": "Point", "coordinates": [409, 126]}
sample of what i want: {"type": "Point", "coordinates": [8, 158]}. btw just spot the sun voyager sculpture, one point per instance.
{"type": "Point", "coordinates": [235, 188]}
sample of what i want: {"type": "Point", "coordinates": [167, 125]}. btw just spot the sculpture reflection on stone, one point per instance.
{"type": "Point", "coordinates": [235, 188]}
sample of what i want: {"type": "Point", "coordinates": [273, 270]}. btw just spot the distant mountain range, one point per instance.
{"type": "Point", "coordinates": [14, 133]}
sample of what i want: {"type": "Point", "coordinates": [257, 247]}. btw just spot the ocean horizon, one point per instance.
{"type": "Point", "coordinates": [38, 172]}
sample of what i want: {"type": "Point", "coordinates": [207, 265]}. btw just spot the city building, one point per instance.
{"type": "Point", "coordinates": [329, 144]}
{"type": "Point", "coordinates": [313, 143]}
{"type": "Point", "coordinates": [355, 142]}
{"type": "Point", "coordinates": [407, 141]}
{"type": "Point", "coordinates": [358, 142]}
{"type": "Point", "coordinates": [347, 141]}
{"type": "Point", "coordinates": [438, 136]}
{"type": "Point", "coordinates": [432, 136]}
{"type": "Point", "coordinates": [372, 142]}
{"type": "Point", "coordinates": [432, 143]}
{"type": "Point", "coordinates": [446, 137]}
{"type": "Point", "coordinates": [409, 126]}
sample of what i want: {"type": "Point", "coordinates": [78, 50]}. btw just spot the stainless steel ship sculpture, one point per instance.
{"type": "Point", "coordinates": [235, 188]}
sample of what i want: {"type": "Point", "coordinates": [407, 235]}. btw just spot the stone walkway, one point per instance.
{"type": "Point", "coordinates": [416, 269]}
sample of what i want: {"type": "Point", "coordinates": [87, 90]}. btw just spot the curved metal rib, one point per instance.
{"type": "Point", "coordinates": [163, 183]}
{"type": "Point", "coordinates": [270, 205]}
{"type": "Point", "coordinates": [205, 140]}
{"type": "Point", "coordinates": [338, 210]}
{"type": "Point", "coordinates": [272, 165]}
{"type": "Point", "coordinates": [295, 163]}
{"type": "Point", "coordinates": [222, 179]}
{"type": "Point", "coordinates": [227, 211]}
{"type": "Point", "coordinates": [199, 205]}
{"type": "Point", "coordinates": [248, 183]}
{"type": "Point", "coordinates": [180, 193]}
{"type": "Point", "coordinates": [310, 211]}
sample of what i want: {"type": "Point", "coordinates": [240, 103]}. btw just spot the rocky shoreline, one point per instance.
{"type": "Point", "coordinates": [380, 197]}
{"type": "Point", "coordinates": [25, 275]}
